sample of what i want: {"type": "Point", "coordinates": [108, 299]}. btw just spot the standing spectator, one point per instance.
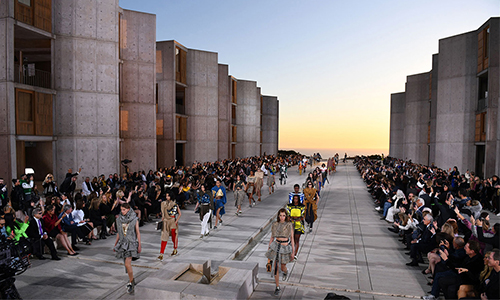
{"type": "Point", "coordinates": [49, 186]}
{"type": "Point", "coordinates": [87, 188]}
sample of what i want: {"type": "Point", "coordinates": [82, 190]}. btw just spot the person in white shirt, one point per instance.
{"type": "Point", "coordinates": [87, 187]}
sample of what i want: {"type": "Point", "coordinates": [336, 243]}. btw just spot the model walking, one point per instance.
{"type": "Point", "coordinates": [296, 212]}
{"type": "Point", "coordinates": [205, 204]}
{"type": "Point", "coordinates": [128, 241]}
{"type": "Point", "coordinates": [219, 193]}
{"type": "Point", "coordinates": [281, 247]}
{"type": "Point", "coordinates": [239, 194]}
{"type": "Point", "coordinates": [170, 215]}
{"type": "Point", "coordinates": [311, 202]}
{"type": "Point", "coordinates": [250, 188]}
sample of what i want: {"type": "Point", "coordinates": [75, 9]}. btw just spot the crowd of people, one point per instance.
{"type": "Point", "coordinates": [443, 216]}
{"type": "Point", "coordinates": [102, 206]}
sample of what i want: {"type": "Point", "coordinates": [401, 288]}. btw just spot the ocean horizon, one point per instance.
{"type": "Point", "coordinates": [330, 152]}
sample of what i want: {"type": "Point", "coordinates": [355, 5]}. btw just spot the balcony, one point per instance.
{"type": "Point", "coordinates": [30, 76]}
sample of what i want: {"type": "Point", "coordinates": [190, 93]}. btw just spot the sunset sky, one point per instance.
{"type": "Point", "coordinates": [332, 64]}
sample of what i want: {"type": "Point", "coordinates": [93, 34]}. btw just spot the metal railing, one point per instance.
{"type": "Point", "coordinates": [33, 77]}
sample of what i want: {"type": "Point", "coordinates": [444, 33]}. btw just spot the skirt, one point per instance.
{"type": "Point", "coordinates": [270, 180]}
{"type": "Point", "coordinates": [219, 203]}
{"type": "Point", "coordinates": [238, 197]}
{"type": "Point", "coordinates": [204, 209]}
{"type": "Point", "coordinates": [168, 225]}
{"type": "Point", "coordinates": [127, 249]}
{"type": "Point", "coordinates": [250, 189]}
{"type": "Point", "coordinates": [284, 252]}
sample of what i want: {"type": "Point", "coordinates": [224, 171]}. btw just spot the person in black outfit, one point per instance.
{"type": "Point", "coordinates": [39, 237]}
{"type": "Point", "coordinates": [424, 244]}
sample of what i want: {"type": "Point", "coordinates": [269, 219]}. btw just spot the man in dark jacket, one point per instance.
{"type": "Point", "coordinates": [39, 237]}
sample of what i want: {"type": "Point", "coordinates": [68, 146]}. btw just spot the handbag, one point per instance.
{"type": "Point", "coordinates": [159, 225]}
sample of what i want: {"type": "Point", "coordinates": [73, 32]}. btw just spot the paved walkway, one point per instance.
{"type": "Point", "coordinates": [349, 252]}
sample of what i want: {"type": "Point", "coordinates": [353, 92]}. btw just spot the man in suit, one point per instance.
{"type": "Point", "coordinates": [68, 185]}
{"type": "Point", "coordinates": [39, 237]}
{"type": "Point", "coordinates": [425, 243]}
{"type": "Point", "coordinates": [69, 225]}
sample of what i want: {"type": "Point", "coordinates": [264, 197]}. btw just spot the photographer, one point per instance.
{"type": "Point", "coordinates": [49, 186]}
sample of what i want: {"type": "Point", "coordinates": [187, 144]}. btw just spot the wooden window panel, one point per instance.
{"type": "Point", "coordinates": [43, 14]}
{"type": "Point", "coordinates": [480, 57]}
{"type": "Point", "coordinates": [483, 127]}
{"type": "Point", "coordinates": [183, 55]}
{"type": "Point", "coordinates": [183, 128]}
{"type": "Point", "coordinates": [159, 66]}
{"type": "Point", "coordinates": [25, 121]}
{"type": "Point", "coordinates": [429, 134]}
{"type": "Point", "coordinates": [159, 127]}
{"type": "Point", "coordinates": [43, 114]}
{"type": "Point", "coordinates": [23, 13]}
{"type": "Point", "coordinates": [235, 91]}
{"type": "Point", "coordinates": [123, 120]}
{"type": "Point", "coordinates": [477, 133]}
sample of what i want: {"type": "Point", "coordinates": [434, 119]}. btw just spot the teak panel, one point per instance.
{"type": "Point", "coordinates": [25, 121]}
{"type": "Point", "coordinates": [43, 114]}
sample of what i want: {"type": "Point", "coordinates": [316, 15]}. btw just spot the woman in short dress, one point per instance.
{"type": "Point", "coordinates": [250, 188]}
{"type": "Point", "coordinates": [170, 215]}
{"type": "Point", "coordinates": [205, 204]}
{"type": "Point", "coordinates": [239, 194]}
{"type": "Point", "coordinates": [128, 241]}
{"type": "Point", "coordinates": [281, 247]}
{"type": "Point", "coordinates": [271, 180]}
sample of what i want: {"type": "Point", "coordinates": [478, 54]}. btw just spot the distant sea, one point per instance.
{"type": "Point", "coordinates": [325, 153]}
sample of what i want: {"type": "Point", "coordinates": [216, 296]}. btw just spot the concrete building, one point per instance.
{"type": "Point", "coordinates": [248, 119]}
{"type": "Point", "coordinates": [61, 85]}
{"type": "Point", "coordinates": [462, 115]}
{"type": "Point", "coordinates": [398, 109]}
{"type": "Point", "coordinates": [270, 123]}
{"type": "Point", "coordinates": [85, 84]}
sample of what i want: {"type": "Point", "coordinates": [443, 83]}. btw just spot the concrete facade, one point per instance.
{"type": "Point", "coordinates": [7, 97]}
{"type": "Point", "coordinates": [270, 122]}
{"type": "Point", "coordinates": [202, 106]}
{"type": "Point", "coordinates": [137, 89]}
{"type": "Point", "coordinates": [456, 103]}
{"type": "Point", "coordinates": [398, 108]}
{"type": "Point", "coordinates": [165, 115]}
{"type": "Point", "coordinates": [462, 114]}
{"type": "Point", "coordinates": [86, 78]}
{"type": "Point", "coordinates": [417, 118]}
{"type": "Point", "coordinates": [248, 119]}
{"type": "Point", "coordinates": [94, 88]}
{"type": "Point", "coordinates": [224, 94]}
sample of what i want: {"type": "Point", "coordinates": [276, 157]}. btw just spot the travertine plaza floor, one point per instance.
{"type": "Point", "coordinates": [350, 251]}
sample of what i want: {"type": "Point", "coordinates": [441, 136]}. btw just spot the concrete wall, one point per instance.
{"type": "Point", "coordinates": [165, 78]}
{"type": "Point", "coordinates": [492, 113]}
{"type": "Point", "coordinates": [417, 118]}
{"type": "Point", "coordinates": [433, 107]}
{"type": "Point", "coordinates": [86, 80]}
{"type": "Point", "coordinates": [137, 101]}
{"type": "Point", "coordinates": [457, 94]}
{"type": "Point", "coordinates": [7, 97]}
{"type": "Point", "coordinates": [224, 112]}
{"type": "Point", "coordinates": [397, 128]}
{"type": "Point", "coordinates": [497, 82]}
{"type": "Point", "coordinates": [202, 106]}
{"type": "Point", "coordinates": [248, 119]}
{"type": "Point", "coordinates": [270, 125]}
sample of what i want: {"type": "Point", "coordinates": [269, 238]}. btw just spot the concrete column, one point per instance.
{"type": "Point", "coordinates": [7, 96]}
{"type": "Point", "coordinates": [165, 78]}
{"type": "Point", "coordinates": [86, 79]}
{"type": "Point", "coordinates": [224, 113]}
{"type": "Point", "coordinates": [457, 94]}
{"type": "Point", "coordinates": [397, 127]}
{"type": "Point", "coordinates": [417, 116]}
{"type": "Point", "coordinates": [138, 102]}
{"type": "Point", "coordinates": [248, 119]}
{"type": "Point", "coordinates": [270, 125]}
{"type": "Point", "coordinates": [433, 104]}
{"type": "Point", "coordinates": [202, 106]}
